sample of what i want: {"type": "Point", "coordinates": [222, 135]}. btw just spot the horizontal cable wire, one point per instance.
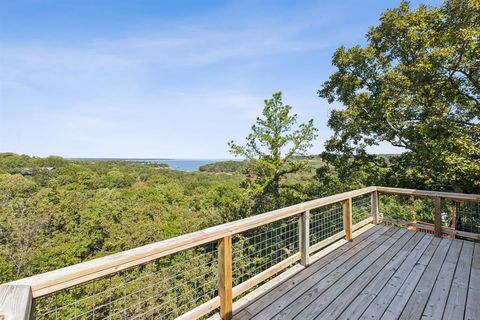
{"type": "Point", "coordinates": [257, 250]}
{"type": "Point", "coordinates": [468, 216]}
{"type": "Point", "coordinates": [361, 208]}
{"type": "Point", "coordinates": [161, 289]}
{"type": "Point", "coordinates": [325, 222]}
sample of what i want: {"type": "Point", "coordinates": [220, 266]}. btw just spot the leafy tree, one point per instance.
{"type": "Point", "coordinates": [415, 85]}
{"type": "Point", "coordinates": [274, 140]}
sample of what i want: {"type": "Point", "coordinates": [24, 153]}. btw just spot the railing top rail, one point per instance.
{"type": "Point", "coordinates": [430, 194]}
{"type": "Point", "coordinates": [55, 280]}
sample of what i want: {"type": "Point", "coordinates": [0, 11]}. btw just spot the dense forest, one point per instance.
{"type": "Point", "coordinates": [55, 212]}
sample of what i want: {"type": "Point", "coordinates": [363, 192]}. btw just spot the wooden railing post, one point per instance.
{"type": "Point", "coordinates": [454, 217]}
{"type": "Point", "coordinates": [374, 206]}
{"type": "Point", "coordinates": [225, 277]}
{"type": "Point", "coordinates": [438, 217]}
{"type": "Point", "coordinates": [347, 218]}
{"type": "Point", "coordinates": [15, 302]}
{"type": "Point", "coordinates": [304, 237]}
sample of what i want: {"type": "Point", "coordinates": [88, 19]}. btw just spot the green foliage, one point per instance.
{"type": "Point", "coordinates": [270, 147]}
{"type": "Point", "coordinates": [229, 166]}
{"type": "Point", "coordinates": [414, 85]}
{"type": "Point", "coordinates": [79, 210]}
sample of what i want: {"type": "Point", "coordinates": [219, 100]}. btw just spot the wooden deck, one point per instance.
{"type": "Point", "coordinates": [384, 273]}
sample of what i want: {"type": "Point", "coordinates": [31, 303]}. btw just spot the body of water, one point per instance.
{"type": "Point", "coordinates": [176, 164]}
{"type": "Point", "coordinates": [181, 164]}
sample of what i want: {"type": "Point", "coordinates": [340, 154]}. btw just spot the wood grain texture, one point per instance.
{"type": "Point", "coordinates": [457, 298]}
{"type": "Point", "coordinates": [353, 281]}
{"type": "Point", "coordinates": [225, 277]}
{"type": "Point", "coordinates": [399, 274]}
{"type": "Point", "coordinates": [347, 219]}
{"type": "Point", "coordinates": [472, 309]}
{"type": "Point", "coordinates": [418, 300]}
{"type": "Point", "coordinates": [287, 291]}
{"type": "Point", "coordinates": [304, 237]}
{"type": "Point", "coordinates": [15, 302]}
{"type": "Point", "coordinates": [430, 194]}
{"type": "Point", "coordinates": [439, 294]}
{"type": "Point", "coordinates": [376, 272]}
{"type": "Point", "coordinates": [437, 220]}
{"type": "Point", "coordinates": [401, 281]}
{"type": "Point", "coordinates": [303, 300]}
{"type": "Point", "coordinates": [403, 262]}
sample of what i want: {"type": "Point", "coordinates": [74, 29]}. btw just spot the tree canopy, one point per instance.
{"type": "Point", "coordinates": [415, 85]}
{"type": "Point", "coordinates": [275, 139]}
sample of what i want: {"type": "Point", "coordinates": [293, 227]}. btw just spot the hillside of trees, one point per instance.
{"type": "Point", "coordinates": [55, 212]}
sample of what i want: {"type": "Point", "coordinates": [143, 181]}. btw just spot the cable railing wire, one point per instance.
{"type": "Point", "coordinates": [325, 222]}
{"type": "Point", "coordinates": [361, 208]}
{"type": "Point", "coordinates": [161, 289]}
{"type": "Point", "coordinates": [257, 250]}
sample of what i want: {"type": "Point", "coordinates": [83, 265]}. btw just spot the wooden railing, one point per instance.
{"type": "Point", "coordinates": [16, 297]}
{"type": "Point", "coordinates": [438, 229]}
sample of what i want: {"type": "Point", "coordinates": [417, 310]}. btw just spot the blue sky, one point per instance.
{"type": "Point", "coordinates": [173, 79]}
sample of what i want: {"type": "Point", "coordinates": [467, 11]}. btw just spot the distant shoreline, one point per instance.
{"type": "Point", "coordinates": [187, 165]}
{"type": "Point", "coordinates": [151, 159]}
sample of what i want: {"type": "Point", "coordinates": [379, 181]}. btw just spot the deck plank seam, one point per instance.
{"type": "Point", "coordinates": [364, 301]}
{"type": "Point", "coordinates": [367, 254]}
{"type": "Point", "coordinates": [474, 266]}
{"type": "Point", "coordinates": [405, 282]}
{"type": "Point", "coordinates": [423, 316]}
{"type": "Point", "coordinates": [453, 278]}
{"type": "Point", "coordinates": [352, 246]}
{"type": "Point", "coordinates": [468, 265]}
{"type": "Point", "coordinates": [373, 265]}
{"type": "Point", "coordinates": [407, 273]}
{"type": "Point", "coordinates": [436, 276]}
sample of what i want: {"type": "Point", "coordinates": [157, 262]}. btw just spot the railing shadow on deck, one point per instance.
{"type": "Point", "coordinates": [201, 273]}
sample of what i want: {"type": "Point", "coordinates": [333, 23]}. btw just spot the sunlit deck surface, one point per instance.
{"type": "Point", "coordinates": [384, 273]}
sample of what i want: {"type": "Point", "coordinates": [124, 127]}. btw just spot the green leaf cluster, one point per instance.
{"type": "Point", "coordinates": [414, 85]}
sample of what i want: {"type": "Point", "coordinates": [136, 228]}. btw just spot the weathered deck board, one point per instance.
{"type": "Point", "coordinates": [439, 294]}
{"type": "Point", "coordinates": [403, 276]}
{"type": "Point", "coordinates": [404, 260]}
{"type": "Point", "coordinates": [306, 298]}
{"type": "Point", "coordinates": [353, 282]}
{"type": "Point", "coordinates": [387, 273]}
{"type": "Point", "coordinates": [418, 300]}
{"type": "Point", "coordinates": [457, 298]}
{"type": "Point", "coordinates": [472, 310]}
{"type": "Point", "coordinates": [320, 267]}
{"type": "Point", "coordinates": [297, 290]}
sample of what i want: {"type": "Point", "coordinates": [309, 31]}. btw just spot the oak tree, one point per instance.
{"type": "Point", "coordinates": [415, 85]}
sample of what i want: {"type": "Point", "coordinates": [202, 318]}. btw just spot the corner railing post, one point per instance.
{"type": "Point", "coordinates": [438, 217]}
{"type": "Point", "coordinates": [374, 206]}
{"type": "Point", "coordinates": [347, 218]}
{"type": "Point", "coordinates": [15, 302]}
{"type": "Point", "coordinates": [225, 277]}
{"type": "Point", "coordinates": [304, 237]}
